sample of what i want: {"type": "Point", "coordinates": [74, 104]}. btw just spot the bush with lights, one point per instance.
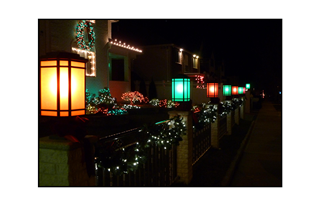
{"type": "Point", "coordinates": [133, 97]}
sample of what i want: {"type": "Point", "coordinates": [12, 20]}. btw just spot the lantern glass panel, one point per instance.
{"type": "Point", "coordinates": [244, 90]}
{"type": "Point", "coordinates": [64, 63]}
{"type": "Point", "coordinates": [48, 63]}
{"type": "Point", "coordinates": [77, 88]}
{"type": "Point", "coordinates": [64, 114]}
{"type": "Point", "coordinates": [48, 113]}
{"type": "Point", "coordinates": [226, 90]}
{"type": "Point", "coordinates": [49, 88]}
{"type": "Point", "coordinates": [186, 90]}
{"type": "Point", "coordinates": [180, 89]}
{"type": "Point", "coordinates": [64, 86]}
{"type": "Point", "coordinates": [78, 64]}
{"type": "Point", "coordinates": [247, 86]}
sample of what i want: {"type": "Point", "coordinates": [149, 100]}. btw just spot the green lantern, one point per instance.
{"type": "Point", "coordinates": [226, 90]}
{"type": "Point", "coordinates": [240, 90]}
{"type": "Point", "coordinates": [247, 86]}
{"type": "Point", "coordinates": [181, 88]}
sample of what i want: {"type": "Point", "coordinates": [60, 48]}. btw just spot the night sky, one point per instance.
{"type": "Point", "coordinates": [250, 48]}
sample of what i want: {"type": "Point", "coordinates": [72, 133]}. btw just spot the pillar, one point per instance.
{"type": "Point", "coordinates": [62, 163]}
{"type": "Point", "coordinates": [248, 102]}
{"type": "Point", "coordinates": [215, 130]}
{"type": "Point", "coordinates": [184, 150]}
{"type": "Point", "coordinates": [242, 108]}
{"type": "Point", "coordinates": [230, 120]}
{"type": "Point", "coordinates": [237, 116]}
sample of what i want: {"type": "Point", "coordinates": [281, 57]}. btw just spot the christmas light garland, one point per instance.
{"type": "Point", "coordinates": [80, 29]}
{"type": "Point", "coordinates": [120, 159]}
{"type": "Point", "coordinates": [202, 115]}
{"type": "Point", "coordinates": [164, 103]}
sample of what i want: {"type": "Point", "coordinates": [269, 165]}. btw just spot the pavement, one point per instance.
{"type": "Point", "coordinates": [260, 161]}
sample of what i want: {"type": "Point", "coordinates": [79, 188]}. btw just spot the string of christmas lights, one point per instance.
{"type": "Point", "coordinates": [124, 45]}
{"type": "Point", "coordinates": [200, 81]}
{"type": "Point", "coordinates": [88, 55]}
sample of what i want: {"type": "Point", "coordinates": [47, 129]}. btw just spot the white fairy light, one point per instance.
{"type": "Point", "coordinates": [115, 42]}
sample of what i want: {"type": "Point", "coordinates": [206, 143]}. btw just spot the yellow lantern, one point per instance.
{"type": "Point", "coordinates": [62, 84]}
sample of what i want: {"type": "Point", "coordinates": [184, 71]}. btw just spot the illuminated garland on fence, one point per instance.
{"type": "Point", "coordinates": [164, 103]}
{"type": "Point", "coordinates": [80, 29]}
{"type": "Point", "coordinates": [120, 160]}
{"type": "Point", "coordinates": [229, 106]}
{"type": "Point", "coordinates": [203, 115]}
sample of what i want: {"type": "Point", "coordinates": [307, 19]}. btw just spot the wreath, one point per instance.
{"type": "Point", "coordinates": [80, 29]}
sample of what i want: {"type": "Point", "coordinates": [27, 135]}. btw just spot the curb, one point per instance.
{"type": "Point", "coordinates": [230, 172]}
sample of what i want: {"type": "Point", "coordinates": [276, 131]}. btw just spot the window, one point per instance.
{"type": "Point", "coordinates": [195, 62]}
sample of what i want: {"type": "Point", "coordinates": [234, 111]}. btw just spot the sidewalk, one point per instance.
{"type": "Point", "coordinates": [211, 169]}
{"type": "Point", "coordinates": [261, 162]}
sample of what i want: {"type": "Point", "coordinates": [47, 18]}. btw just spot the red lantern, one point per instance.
{"type": "Point", "coordinates": [234, 90]}
{"type": "Point", "coordinates": [244, 90]}
{"type": "Point", "coordinates": [212, 90]}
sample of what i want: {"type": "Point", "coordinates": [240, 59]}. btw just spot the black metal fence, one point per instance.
{"type": "Point", "coordinates": [158, 169]}
{"type": "Point", "coordinates": [201, 142]}
{"type": "Point", "coordinates": [222, 126]}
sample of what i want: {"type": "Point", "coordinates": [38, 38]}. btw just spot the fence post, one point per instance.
{"type": "Point", "coordinates": [61, 163]}
{"type": "Point", "coordinates": [242, 107]}
{"type": "Point", "coordinates": [215, 129]}
{"type": "Point", "coordinates": [184, 150]}
{"type": "Point", "coordinates": [229, 121]}
{"type": "Point", "coordinates": [248, 102]}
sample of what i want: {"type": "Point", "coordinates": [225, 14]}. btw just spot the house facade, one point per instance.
{"type": "Point", "coordinates": [109, 61]}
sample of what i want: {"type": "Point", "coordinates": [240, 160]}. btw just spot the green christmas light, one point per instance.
{"type": "Point", "coordinates": [247, 86]}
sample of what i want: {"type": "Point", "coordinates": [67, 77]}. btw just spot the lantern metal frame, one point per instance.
{"type": "Point", "coordinates": [60, 59]}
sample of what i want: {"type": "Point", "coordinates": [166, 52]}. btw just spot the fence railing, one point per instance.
{"type": "Point", "coordinates": [164, 166]}
{"type": "Point", "coordinates": [159, 169]}
{"type": "Point", "coordinates": [222, 126]}
{"type": "Point", "coordinates": [201, 142]}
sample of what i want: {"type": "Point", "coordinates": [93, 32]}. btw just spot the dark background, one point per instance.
{"type": "Point", "coordinates": [250, 48]}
